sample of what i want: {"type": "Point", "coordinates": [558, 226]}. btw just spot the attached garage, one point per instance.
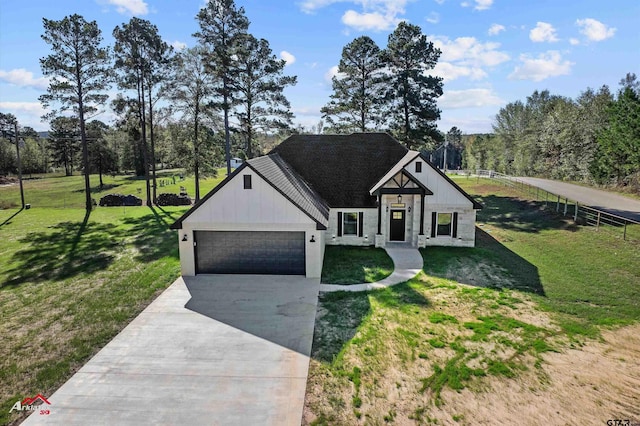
{"type": "Point", "coordinates": [262, 219]}
{"type": "Point", "coordinates": [250, 252]}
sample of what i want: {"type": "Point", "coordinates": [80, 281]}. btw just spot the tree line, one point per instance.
{"type": "Point", "coordinates": [228, 88]}
{"type": "Point", "coordinates": [594, 138]}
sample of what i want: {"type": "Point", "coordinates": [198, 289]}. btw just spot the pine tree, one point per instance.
{"type": "Point", "coordinates": [260, 84]}
{"type": "Point", "coordinates": [411, 99]}
{"type": "Point", "coordinates": [79, 71]}
{"type": "Point", "coordinates": [357, 89]}
{"type": "Point", "coordinates": [222, 29]}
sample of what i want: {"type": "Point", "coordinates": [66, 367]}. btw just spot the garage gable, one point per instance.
{"type": "Point", "coordinates": [259, 204]}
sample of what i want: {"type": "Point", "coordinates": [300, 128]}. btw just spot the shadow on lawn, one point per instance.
{"type": "Point", "coordinates": [341, 314]}
{"type": "Point", "coordinates": [68, 249]}
{"type": "Point", "coordinates": [8, 220]}
{"type": "Point", "coordinates": [514, 214]}
{"type": "Point", "coordinates": [489, 264]}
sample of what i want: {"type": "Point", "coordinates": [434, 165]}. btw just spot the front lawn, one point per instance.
{"type": "Point", "coordinates": [355, 265]}
{"type": "Point", "coordinates": [480, 328]}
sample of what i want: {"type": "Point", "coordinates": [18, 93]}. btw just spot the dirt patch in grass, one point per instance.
{"type": "Point", "coordinates": [467, 355]}
{"type": "Point", "coordinates": [396, 359]}
{"type": "Point", "coordinates": [589, 385]}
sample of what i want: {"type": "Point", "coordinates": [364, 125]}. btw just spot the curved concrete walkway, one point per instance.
{"type": "Point", "coordinates": [407, 263]}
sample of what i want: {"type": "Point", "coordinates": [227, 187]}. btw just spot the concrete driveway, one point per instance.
{"type": "Point", "coordinates": [214, 350]}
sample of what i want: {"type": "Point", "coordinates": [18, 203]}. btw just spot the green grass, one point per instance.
{"type": "Point", "coordinates": [468, 319]}
{"type": "Point", "coordinates": [70, 282]}
{"type": "Point", "coordinates": [355, 265]}
{"type": "Point", "coordinates": [587, 276]}
{"type": "Point", "coordinates": [68, 191]}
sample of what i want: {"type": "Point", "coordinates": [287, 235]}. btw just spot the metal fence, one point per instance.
{"type": "Point", "coordinates": [627, 228]}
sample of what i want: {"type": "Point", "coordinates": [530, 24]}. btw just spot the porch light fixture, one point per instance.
{"type": "Point", "coordinates": [399, 199]}
{"type": "Point", "coordinates": [366, 237]}
{"type": "Point", "coordinates": [184, 237]}
{"type": "Point", "coordinates": [409, 209]}
{"type": "Point", "coordinates": [313, 239]}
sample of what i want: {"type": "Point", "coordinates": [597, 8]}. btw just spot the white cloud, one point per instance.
{"type": "Point", "coordinates": [288, 57]}
{"type": "Point", "coordinates": [595, 30]}
{"type": "Point", "coordinates": [471, 98]}
{"type": "Point", "coordinates": [574, 41]}
{"type": "Point", "coordinates": [543, 32]}
{"type": "Point", "coordinates": [439, 1]}
{"type": "Point", "coordinates": [178, 45]}
{"type": "Point", "coordinates": [549, 64]}
{"type": "Point", "coordinates": [479, 4]}
{"type": "Point", "coordinates": [376, 15]}
{"type": "Point", "coordinates": [27, 113]}
{"type": "Point", "coordinates": [451, 72]}
{"type": "Point", "coordinates": [369, 21]}
{"type": "Point", "coordinates": [130, 7]}
{"type": "Point", "coordinates": [23, 78]}
{"type": "Point", "coordinates": [470, 52]}
{"type": "Point", "coordinates": [483, 4]}
{"type": "Point", "coordinates": [433, 18]}
{"type": "Point", "coordinates": [496, 29]}
{"type": "Point", "coordinates": [332, 72]}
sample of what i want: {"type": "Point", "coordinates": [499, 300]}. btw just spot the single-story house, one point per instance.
{"type": "Point", "coordinates": [275, 213]}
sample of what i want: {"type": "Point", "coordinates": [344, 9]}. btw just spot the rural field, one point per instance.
{"type": "Point", "coordinates": [537, 324]}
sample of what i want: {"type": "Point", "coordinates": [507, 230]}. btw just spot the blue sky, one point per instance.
{"type": "Point", "coordinates": [493, 51]}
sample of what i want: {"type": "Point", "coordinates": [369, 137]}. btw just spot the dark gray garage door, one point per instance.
{"type": "Point", "coordinates": [233, 252]}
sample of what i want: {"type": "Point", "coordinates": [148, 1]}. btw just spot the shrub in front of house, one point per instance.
{"type": "Point", "coordinates": [168, 199]}
{"type": "Point", "coordinates": [117, 200]}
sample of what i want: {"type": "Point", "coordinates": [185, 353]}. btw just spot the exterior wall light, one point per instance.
{"type": "Point", "coordinates": [184, 238]}
{"type": "Point", "coordinates": [313, 239]}
{"type": "Point", "coordinates": [399, 199]}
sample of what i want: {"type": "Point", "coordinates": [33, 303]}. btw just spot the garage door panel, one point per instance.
{"type": "Point", "coordinates": [231, 252]}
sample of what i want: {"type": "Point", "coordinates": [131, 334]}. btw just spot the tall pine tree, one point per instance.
{"type": "Point", "coordinates": [357, 89]}
{"type": "Point", "coordinates": [222, 29]}
{"type": "Point", "coordinates": [413, 93]}
{"type": "Point", "coordinates": [79, 74]}
{"type": "Point", "coordinates": [260, 83]}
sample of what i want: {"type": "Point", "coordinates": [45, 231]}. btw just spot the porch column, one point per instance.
{"type": "Point", "coordinates": [379, 214]}
{"type": "Point", "coordinates": [422, 213]}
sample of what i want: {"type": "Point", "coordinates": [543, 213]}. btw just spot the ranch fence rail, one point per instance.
{"type": "Point", "coordinates": [581, 214]}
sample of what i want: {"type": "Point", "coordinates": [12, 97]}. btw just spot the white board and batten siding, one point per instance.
{"type": "Point", "coordinates": [261, 208]}
{"type": "Point", "coordinates": [445, 199]}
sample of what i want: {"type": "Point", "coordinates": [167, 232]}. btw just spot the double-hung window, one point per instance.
{"type": "Point", "coordinates": [350, 223]}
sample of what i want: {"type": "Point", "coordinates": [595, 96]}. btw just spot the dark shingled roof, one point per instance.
{"type": "Point", "coordinates": [275, 171]}
{"type": "Point", "coordinates": [356, 163]}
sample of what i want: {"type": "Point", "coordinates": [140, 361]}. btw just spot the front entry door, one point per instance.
{"type": "Point", "coordinates": [397, 225]}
